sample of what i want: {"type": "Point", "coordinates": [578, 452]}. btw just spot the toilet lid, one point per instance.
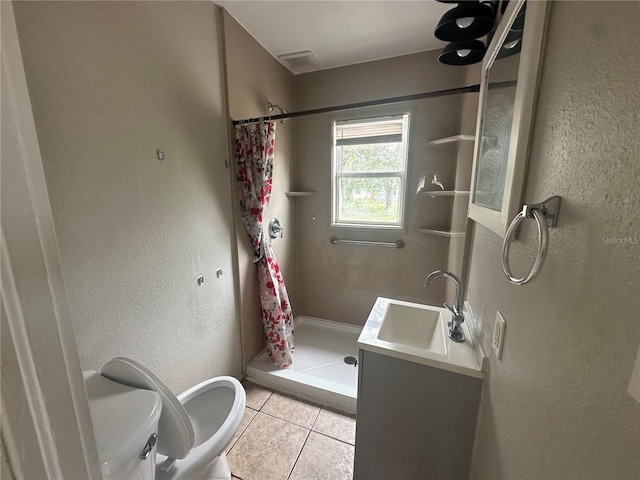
{"type": "Point", "coordinates": [175, 431]}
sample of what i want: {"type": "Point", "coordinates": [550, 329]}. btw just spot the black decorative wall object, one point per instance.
{"type": "Point", "coordinates": [467, 21]}
{"type": "Point", "coordinates": [512, 44]}
{"type": "Point", "coordinates": [463, 53]}
{"type": "Point", "coordinates": [463, 26]}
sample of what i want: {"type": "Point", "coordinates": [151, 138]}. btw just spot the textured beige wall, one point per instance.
{"type": "Point", "coordinates": [5, 466]}
{"type": "Point", "coordinates": [557, 405]}
{"type": "Point", "coordinates": [254, 78]}
{"type": "Point", "coordinates": [110, 83]}
{"type": "Point", "coordinates": [340, 282]}
{"type": "Point", "coordinates": [460, 223]}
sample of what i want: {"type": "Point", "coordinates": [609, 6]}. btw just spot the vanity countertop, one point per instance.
{"type": "Point", "coordinates": [457, 357]}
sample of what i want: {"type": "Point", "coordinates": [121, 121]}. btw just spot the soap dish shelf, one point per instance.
{"type": "Point", "coordinates": [450, 140]}
{"type": "Point", "coordinates": [444, 193]}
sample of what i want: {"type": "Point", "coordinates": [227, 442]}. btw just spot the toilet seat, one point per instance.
{"type": "Point", "coordinates": [195, 427]}
{"type": "Point", "coordinates": [176, 436]}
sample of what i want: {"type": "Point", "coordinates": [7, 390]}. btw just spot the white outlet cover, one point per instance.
{"type": "Point", "coordinates": [498, 335]}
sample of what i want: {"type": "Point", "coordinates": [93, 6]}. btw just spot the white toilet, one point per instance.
{"type": "Point", "coordinates": [193, 429]}
{"type": "Point", "coordinates": [125, 423]}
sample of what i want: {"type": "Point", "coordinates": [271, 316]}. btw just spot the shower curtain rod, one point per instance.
{"type": "Point", "coordinates": [371, 103]}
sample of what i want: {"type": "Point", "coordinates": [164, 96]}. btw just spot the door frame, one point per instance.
{"type": "Point", "coordinates": [46, 424]}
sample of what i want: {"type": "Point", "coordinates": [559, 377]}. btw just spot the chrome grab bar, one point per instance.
{"type": "Point", "coordinates": [546, 216]}
{"type": "Point", "coordinates": [397, 244]}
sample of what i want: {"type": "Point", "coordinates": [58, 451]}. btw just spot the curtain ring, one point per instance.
{"type": "Point", "coordinates": [543, 246]}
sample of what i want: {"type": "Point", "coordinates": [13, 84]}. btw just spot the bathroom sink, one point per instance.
{"type": "Point", "coordinates": [417, 326]}
{"type": "Point", "coordinates": [418, 333]}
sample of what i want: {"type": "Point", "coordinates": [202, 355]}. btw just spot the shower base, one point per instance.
{"type": "Point", "coordinates": [324, 368]}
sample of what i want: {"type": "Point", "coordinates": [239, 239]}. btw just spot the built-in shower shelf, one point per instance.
{"type": "Point", "coordinates": [441, 233]}
{"type": "Point", "coordinates": [299, 194]}
{"type": "Point", "coordinates": [451, 140]}
{"type": "Point", "coordinates": [444, 193]}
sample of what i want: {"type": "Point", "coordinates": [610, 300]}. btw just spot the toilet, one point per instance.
{"type": "Point", "coordinates": [125, 426]}
{"type": "Point", "coordinates": [193, 428]}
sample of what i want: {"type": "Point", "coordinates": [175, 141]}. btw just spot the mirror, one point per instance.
{"type": "Point", "coordinates": [507, 99]}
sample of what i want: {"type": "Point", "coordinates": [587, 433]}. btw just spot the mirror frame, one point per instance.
{"type": "Point", "coordinates": [523, 111]}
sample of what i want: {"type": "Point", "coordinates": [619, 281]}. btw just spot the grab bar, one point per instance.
{"type": "Point", "coordinates": [397, 244]}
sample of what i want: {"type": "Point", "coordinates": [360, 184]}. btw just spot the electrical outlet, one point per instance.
{"type": "Point", "coordinates": [498, 335]}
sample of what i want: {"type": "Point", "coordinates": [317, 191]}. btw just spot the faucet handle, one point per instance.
{"type": "Point", "coordinates": [455, 329]}
{"type": "Point", "coordinates": [453, 309]}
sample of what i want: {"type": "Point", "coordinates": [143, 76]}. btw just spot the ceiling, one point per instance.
{"type": "Point", "coordinates": [339, 32]}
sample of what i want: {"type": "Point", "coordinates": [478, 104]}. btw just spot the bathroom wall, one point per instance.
{"type": "Point", "coordinates": [557, 405]}
{"type": "Point", "coordinates": [37, 343]}
{"type": "Point", "coordinates": [111, 83]}
{"type": "Point", "coordinates": [5, 467]}
{"type": "Point", "coordinates": [457, 259]}
{"type": "Point", "coordinates": [254, 78]}
{"type": "Point", "coordinates": [340, 282]}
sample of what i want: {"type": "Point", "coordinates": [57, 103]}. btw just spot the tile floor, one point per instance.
{"type": "Point", "coordinates": [283, 438]}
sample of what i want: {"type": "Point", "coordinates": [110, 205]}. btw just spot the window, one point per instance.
{"type": "Point", "coordinates": [369, 172]}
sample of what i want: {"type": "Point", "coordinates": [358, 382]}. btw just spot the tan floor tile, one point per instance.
{"type": "Point", "coordinates": [247, 416]}
{"type": "Point", "coordinates": [267, 450]}
{"type": "Point", "coordinates": [324, 458]}
{"type": "Point", "coordinates": [292, 410]}
{"type": "Point", "coordinates": [256, 395]}
{"type": "Point", "coordinates": [336, 425]}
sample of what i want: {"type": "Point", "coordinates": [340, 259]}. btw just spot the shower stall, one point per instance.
{"type": "Point", "coordinates": [341, 271]}
{"type": "Point", "coordinates": [325, 366]}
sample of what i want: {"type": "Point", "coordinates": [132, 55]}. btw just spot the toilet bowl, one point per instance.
{"type": "Point", "coordinates": [194, 428]}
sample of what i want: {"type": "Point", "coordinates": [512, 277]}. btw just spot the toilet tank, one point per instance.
{"type": "Point", "coordinates": [125, 425]}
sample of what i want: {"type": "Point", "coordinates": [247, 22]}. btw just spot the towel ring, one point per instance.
{"type": "Point", "coordinates": [545, 215]}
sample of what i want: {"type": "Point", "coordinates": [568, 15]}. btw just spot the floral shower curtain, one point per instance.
{"type": "Point", "coordinates": [255, 143]}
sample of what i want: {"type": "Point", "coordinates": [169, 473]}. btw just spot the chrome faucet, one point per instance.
{"type": "Point", "coordinates": [455, 329]}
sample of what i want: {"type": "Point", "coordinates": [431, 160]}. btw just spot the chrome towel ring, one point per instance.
{"type": "Point", "coordinates": [546, 216]}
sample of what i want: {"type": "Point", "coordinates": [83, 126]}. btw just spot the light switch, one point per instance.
{"type": "Point", "coordinates": [498, 335]}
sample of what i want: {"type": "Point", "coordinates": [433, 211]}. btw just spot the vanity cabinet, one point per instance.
{"type": "Point", "coordinates": [414, 422]}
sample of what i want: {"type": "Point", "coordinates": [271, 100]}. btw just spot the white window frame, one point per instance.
{"type": "Point", "coordinates": [337, 175]}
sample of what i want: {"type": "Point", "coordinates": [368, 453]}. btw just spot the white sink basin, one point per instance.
{"type": "Point", "coordinates": [417, 326]}
{"type": "Point", "coordinates": [418, 333]}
